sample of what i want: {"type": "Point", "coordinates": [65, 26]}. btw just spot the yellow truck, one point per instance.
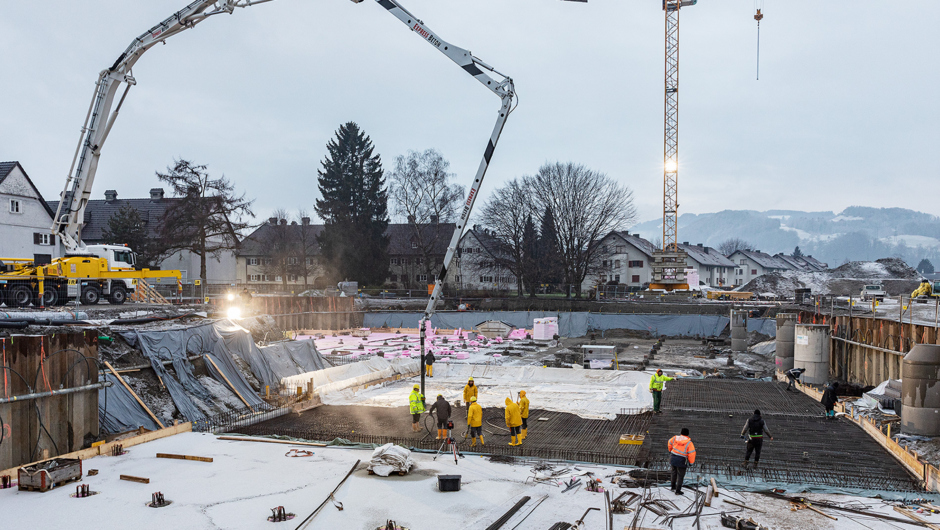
{"type": "Point", "coordinates": [100, 271]}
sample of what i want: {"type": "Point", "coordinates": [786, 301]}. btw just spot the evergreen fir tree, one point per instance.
{"type": "Point", "coordinates": [127, 227]}
{"type": "Point", "coordinates": [925, 267]}
{"type": "Point", "coordinates": [531, 269]}
{"type": "Point", "coordinates": [797, 253]}
{"type": "Point", "coordinates": [549, 254]}
{"type": "Point", "coordinates": [354, 208]}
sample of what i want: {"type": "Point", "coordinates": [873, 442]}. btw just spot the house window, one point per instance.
{"type": "Point", "coordinates": [252, 261]}
{"type": "Point", "coordinates": [604, 263]}
{"type": "Point", "coordinates": [486, 279]}
{"type": "Point", "coordinates": [15, 206]}
{"type": "Point", "coordinates": [254, 277]}
{"type": "Point", "coordinates": [267, 261]}
{"type": "Point", "coordinates": [603, 278]}
{"type": "Point", "coordinates": [394, 261]}
{"type": "Point", "coordinates": [457, 279]}
{"type": "Point", "coordinates": [422, 277]}
{"type": "Point", "coordinates": [42, 239]}
{"type": "Point", "coordinates": [617, 278]}
{"type": "Point", "coordinates": [635, 278]}
{"type": "Point", "coordinates": [309, 261]}
{"type": "Point", "coordinates": [742, 262]}
{"type": "Point", "coordinates": [616, 263]}
{"type": "Point", "coordinates": [468, 250]}
{"type": "Point", "coordinates": [277, 278]}
{"type": "Point", "coordinates": [414, 244]}
{"type": "Point", "coordinates": [292, 277]}
{"type": "Point", "coordinates": [620, 249]}
{"type": "Point", "coordinates": [754, 272]}
{"type": "Point", "coordinates": [292, 261]}
{"type": "Point", "coordinates": [633, 264]}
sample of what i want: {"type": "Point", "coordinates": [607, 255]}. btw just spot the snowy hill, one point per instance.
{"type": "Point", "coordinates": [855, 234]}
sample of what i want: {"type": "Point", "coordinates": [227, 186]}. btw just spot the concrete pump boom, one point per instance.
{"type": "Point", "coordinates": [506, 91]}
{"type": "Point", "coordinates": [70, 214]}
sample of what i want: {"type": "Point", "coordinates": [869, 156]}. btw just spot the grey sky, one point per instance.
{"type": "Point", "coordinates": [846, 111]}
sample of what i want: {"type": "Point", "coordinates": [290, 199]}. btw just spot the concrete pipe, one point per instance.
{"type": "Point", "coordinates": [920, 392]}
{"type": "Point", "coordinates": [786, 327]}
{"type": "Point", "coordinates": [811, 352]}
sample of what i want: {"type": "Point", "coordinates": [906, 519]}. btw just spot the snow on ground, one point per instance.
{"type": "Point", "coordinates": [593, 394]}
{"type": "Point", "coordinates": [246, 479]}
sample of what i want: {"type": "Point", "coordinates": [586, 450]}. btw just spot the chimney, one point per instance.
{"type": "Point", "coordinates": [686, 243]}
{"type": "Point", "coordinates": [156, 194]}
{"type": "Point", "coordinates": [305, 221]}
{"type": "Point", "coordinates": [293, 223]}
{"type": "Point", "coordinates": [411, 219]}
{"type": "Point", "coordinates": [283, 222]}
{"type": "Point", "coordinates": [110, 195]}
{"type": "Point", "coordinates": [434, 219]}
{"type": "Point", "coordinates": [700, 245]}
{"type": "Point", "coordinates": [272, 220]}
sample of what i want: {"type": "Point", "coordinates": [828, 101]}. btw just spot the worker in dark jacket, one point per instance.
{"type": "Point", "coordinates": [792, 375]}
{"type": "Point", "coordinates": [829, 399]}
{"type": "Point", "coordinates": [442, 407]}
{"type": "Point", "coordinates": [429, 363]}
{"type": "Point", "coordinates": [754, 429]}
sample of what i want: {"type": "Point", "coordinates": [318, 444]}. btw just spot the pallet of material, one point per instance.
{"type": "Point", "coordinates": [50, 474]}
{"type": "Point", "coordinates": [632, 439]}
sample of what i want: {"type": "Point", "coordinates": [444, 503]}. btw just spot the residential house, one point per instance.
{"type": "Point", "coordinates": [416, 253]}
{"type": "Point", "coordinates": [481, 263]}
{"type": "Point", "coordinates": [25, 218]}
{"type": "Point", "coordinates": [750, 264]}
{"type": "Point", "coordinates": [802, 263]}
{"type": "Point", "coordinates": [219, 269]}
{"type": "Point", "coordinates": [714, 269]}
{"type": "Point", "coordinates": [279, 256]}
{"type": "Point", "coordinates": [625, 260]}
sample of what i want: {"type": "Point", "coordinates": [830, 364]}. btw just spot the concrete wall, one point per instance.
{"type": "Point", "coordinates": [17, 229]}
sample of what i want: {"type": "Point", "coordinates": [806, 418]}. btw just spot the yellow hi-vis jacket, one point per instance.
{"type": "Point", "coordinates": [469, 392]}
{"type": "Point", "coordinates": [513, 417]}
{"type": "Point", "coordinates": [416, 401]}
{"type": "Point", "coordinates": [475, 415]}
{"type": "Point", "coordinates": [656, 382]}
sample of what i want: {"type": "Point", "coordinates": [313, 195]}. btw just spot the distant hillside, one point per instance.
{"type": "Point", "coordinates": [856, 234]}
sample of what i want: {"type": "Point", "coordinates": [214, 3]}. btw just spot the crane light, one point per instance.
{"type": "Point", "coordinates": [671, 166]}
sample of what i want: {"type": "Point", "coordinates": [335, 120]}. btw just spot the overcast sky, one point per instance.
{"type": "Point", "coordinates": [846, 111]}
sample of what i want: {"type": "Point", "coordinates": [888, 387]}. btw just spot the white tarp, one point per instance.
{"type": "Point", "coordinates": [342, 377]}
{"type": "Point", "coordinates": [389, 459]}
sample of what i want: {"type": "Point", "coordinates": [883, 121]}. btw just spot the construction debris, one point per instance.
{"type": "Point", "coordinates": [184, 457]}
{"type": "Point", "coordinates": [130, 478]}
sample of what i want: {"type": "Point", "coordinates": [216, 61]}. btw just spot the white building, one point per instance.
{"type": "Point", "coordinates": [625, 259]}
{"type": "Point", "coordinates": [714, 269]}
{"type": "Point", "coordinates": [25, 218]}
{"type": "Point", "coordinates": [750, 264]}
{"type": "Point", "coordinates": [478, 266]}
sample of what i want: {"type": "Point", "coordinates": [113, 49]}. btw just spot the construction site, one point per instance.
{"type": "Point", "coordinates": [142, 397]}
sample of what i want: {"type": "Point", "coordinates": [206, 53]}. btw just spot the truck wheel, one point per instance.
{"type": "Point", "coordinates": [118, 295]}
{"type": "Point", "coordinates": [20, 296]}
{"type": "Point", "coordinates": [91, 295]}
{"type": "Point", "coordinates": [50, 297]}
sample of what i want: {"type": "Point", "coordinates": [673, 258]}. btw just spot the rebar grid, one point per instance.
{"type": "Point", "coordinates": [736, 396]}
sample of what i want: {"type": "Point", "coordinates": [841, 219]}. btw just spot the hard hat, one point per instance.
{"type": "Point", "coordinates": [473, 399]}
{"type": "Point", "coordinates": [471, 379]}
{"type": "Point", "coordinates": [440, 395]}
{"type": "Point", "coordinates": [417, 387]}
{"type": "Point", "coordinates": [659, 370]}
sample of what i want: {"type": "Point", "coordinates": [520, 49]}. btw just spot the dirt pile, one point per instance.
{"type": "Point", "coordinates": [846, 280]}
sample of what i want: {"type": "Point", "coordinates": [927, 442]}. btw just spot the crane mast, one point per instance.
{"type": "Point", "coordinates": [668, 265]}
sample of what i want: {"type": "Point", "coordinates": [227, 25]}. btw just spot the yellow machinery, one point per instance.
{"type": "Point", "coordinates": [730, 295]}
{"type": "Point", "coordinates": [85, 278]}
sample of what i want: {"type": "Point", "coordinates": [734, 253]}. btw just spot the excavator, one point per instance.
{"type": "Point", "coordinates": [88, 273]}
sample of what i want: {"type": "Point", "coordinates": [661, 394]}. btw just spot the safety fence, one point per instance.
{"type": "Point", "coordinates": [239, 418]}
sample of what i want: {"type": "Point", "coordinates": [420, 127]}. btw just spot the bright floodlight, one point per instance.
{"type": "Point", "coordinates": [230, 296]}
{"type": "Point", "coordinates": [234, 312]}
{"type": "Point", "coordinates": [670, 166]}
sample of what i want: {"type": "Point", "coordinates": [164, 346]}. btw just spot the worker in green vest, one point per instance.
{"type": "Point", "coordinates": [656, 387]}
{"type": "Point", "coordinates": [416, 402]}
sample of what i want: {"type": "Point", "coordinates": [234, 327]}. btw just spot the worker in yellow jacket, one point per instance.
{"type": "Point", "coordinates": [469, 391]}
{"type": "Point", "coordinates": [524, 412]}
{"type": "Point", "coordinates": [514, 422]}
{"type": "Point", "coordinates": [656, 387]}
{"type": "Point", "coordinates": [475, 421]}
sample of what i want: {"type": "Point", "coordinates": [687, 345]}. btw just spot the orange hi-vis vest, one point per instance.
{"type": "Point", "coordinates": [682, 446]}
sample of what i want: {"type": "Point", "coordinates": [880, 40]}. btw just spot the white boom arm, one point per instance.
{"type": "Point", "coordinates": [69, 217]}
{"type": "Point", "coordinates": [505, 90]}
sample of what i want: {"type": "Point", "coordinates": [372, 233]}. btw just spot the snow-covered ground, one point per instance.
{"type": "Point", "coordinates": [247, 479]}
{"type": "Point", "coordinates": [593, 394]}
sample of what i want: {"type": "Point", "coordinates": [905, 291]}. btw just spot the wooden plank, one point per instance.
{"type": "Point", "coordinates": [130, 478]}
{"type": "Point", "coordinates": [146, 408]}
{"type": "Point", "coordinates": [184, 457]}
{"type": "Point", "coordinates": [267, 440]}
{"type": "Point", "coordinates": [714, 487]}
{"type": "Point", "coordinates": [819, 512]}
{"type": "Point", "coordinates": [709, 493]}
{"type": "Point", "coordinates": [230, 385]}
{"type": "Point", "coordinates": [914, 517]}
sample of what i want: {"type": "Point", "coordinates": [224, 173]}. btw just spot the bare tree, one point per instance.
{"type": "Point", "coordinates": [586, 205]}
{"type": "Point", "coordinates": [505, 214]}
{"type": "Point", "coordinates": [731, 245]}
{"type": "Point", "coordinates": [306, 248]}
{"type": "Point", "coordinates": [423, 196]}
{"type": "Point", "coordinates": [208, 218]}
{"type": "Point", "coordinates": [278, 249]}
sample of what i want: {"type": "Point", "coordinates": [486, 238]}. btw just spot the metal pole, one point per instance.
{"type": "Point", "coordinates": [421, 337]}
{"type": "Point", "coordinates": [73, 390]}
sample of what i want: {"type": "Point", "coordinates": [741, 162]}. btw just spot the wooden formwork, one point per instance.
{"type": "Point", "coordinates": [47, 362]}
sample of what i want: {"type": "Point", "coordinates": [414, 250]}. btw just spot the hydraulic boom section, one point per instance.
{"type": "Point", "coordinates": [69, 217]}
{"type": "Point", "coordinates": [502, 87]}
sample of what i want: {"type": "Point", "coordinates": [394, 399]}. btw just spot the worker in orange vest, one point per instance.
{"type": "Point", "coordinates": [682, 455]}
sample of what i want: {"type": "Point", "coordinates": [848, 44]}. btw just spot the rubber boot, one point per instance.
{"type": "Point", "coordinates": [438, 435]}
{"type": "Point", "coordinates": [513, 442]}
{"type": "Point", "coordinates": [524, 433]}
{"type": "Point", "coordinates": [474, 442]}
{"type": "Point", "coordinates": [482, 441]}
